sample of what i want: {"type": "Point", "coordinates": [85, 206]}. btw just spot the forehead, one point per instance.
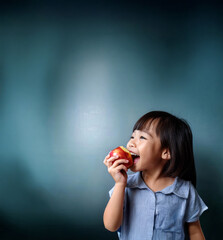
{"type": "Point", "coordinates": [149, 125]}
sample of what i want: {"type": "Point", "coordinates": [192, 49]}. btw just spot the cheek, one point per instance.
{"type": "Point", "coordinates": [148, 150]}
{"type": "Point", "coordinates": [127, 143]}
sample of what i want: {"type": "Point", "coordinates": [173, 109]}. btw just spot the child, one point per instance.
{"type": "Point", "coordinates": [159, 201]}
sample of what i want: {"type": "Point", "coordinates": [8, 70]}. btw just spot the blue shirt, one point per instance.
{"type": "Point", "coordinates": [149, 215]}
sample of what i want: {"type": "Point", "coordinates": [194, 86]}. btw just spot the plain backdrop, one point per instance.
{"type": "Point", "coordinates": [74, 78]}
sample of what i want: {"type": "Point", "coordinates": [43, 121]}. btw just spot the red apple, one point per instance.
{"type": "Point", "coordinates": [122, 153]}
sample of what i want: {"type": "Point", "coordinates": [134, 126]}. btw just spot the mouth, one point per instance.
{"type": "Point", "coordinates": [135, 157]}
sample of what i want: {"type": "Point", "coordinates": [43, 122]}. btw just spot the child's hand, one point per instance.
{"type": "Point", "coordinates": [117, 169]}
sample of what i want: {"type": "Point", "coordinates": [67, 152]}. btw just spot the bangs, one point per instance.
{"type": "Point", "coordinates": [160, 118]}
{"type": "Point", "coordinates": [145, 122]}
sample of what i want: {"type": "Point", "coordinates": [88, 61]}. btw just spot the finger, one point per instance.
{"type": "Point", "coordinates": [120, 168]}
{"type": "Point", "coordinates": [107, 157]}
{"type": "Point", "coordinates": [112, 159]}
{"type": "Point", "coordinates": [107, 164]}
{"type": "Point", "coordinates": [109, 160]}
{"type": "Point", "coordinates": [118, 162]}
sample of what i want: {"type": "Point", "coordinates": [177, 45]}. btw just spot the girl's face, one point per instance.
{"type": "Point", "coordinates": [146, 144]}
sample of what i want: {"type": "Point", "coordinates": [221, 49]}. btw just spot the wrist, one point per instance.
{"type": "Point", "coordinates": [120, 184]}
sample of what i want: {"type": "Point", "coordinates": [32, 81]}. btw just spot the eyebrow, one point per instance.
{"type": "Point", "coordinates": [147, 132]}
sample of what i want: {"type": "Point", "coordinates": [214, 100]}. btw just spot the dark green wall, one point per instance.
{"type": "Point", "coordinates": [74, 78]}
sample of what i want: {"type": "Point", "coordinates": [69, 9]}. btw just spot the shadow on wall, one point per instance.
{"type": "Point", "coordinates": [8, 230]}
{"type": "Point", "coordinates": [21, 201]}
{"type": "Point", "coordinates": [209, 186]}
{"type": "Point", "coordinates": [27, 212]}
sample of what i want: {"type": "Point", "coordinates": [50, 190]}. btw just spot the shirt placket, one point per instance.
{"type": "Point", "coordinates": [151, 213]}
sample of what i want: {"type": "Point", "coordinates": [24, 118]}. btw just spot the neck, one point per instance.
{"type": "Point", "coordinates": [155, 181]}
{"type": "Point", "coordinates": [151, 176]}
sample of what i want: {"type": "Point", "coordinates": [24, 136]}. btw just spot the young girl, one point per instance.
{"type": "Point", "coordinates": [159, 201]}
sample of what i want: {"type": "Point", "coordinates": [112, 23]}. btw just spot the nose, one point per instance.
{"type": "Point", "coordinates": [131, 143]}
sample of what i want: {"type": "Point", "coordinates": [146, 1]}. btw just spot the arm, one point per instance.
{"type": "Point", "coordinates": [195, 231]}
{"type": "Point", "coordinates": [113, 213]}
{"type": "Point", "coordinates": [114, 210]}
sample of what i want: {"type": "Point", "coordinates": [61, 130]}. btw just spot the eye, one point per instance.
{"type": "Point", "coordinates": [132, 137]}
{"type": "Point", "coordinates": [142, 137]}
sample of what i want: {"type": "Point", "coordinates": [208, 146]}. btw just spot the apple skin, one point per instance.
{"type": "Point", "coordinates": [122, 153]}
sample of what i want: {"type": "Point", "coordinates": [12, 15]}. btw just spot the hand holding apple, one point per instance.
{"type": "Point", "coordinates": [122, 153]}
{"type": "Point", "coordinates": [118, 161]}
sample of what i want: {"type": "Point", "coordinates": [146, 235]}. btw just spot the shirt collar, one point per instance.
{"type": "Point", "coordinates": [179, 186]}
{"type": "Point", "coordinates": [136, 181]}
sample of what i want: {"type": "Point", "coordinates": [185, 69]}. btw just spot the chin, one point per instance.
{"type": "Point", "coordinates": [134, 169]}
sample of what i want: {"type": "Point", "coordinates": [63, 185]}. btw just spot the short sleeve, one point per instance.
{"type": "Point", "coordinates": [111, 191]}
{"type": "Point", "coordinates": [195, 206]}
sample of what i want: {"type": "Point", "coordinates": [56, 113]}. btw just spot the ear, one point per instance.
{"type": "Point", "coordinates": [166, 154]}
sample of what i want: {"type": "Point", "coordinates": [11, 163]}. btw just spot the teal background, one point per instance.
{"type": "Point", "coordinates": [74, 78]}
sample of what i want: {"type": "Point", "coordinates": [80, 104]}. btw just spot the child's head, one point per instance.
{"type": "Point", "coordinates": [175, 134]}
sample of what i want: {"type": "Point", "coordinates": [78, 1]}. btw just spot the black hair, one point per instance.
{"type": "Point", "coordinates": [176, 135]}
